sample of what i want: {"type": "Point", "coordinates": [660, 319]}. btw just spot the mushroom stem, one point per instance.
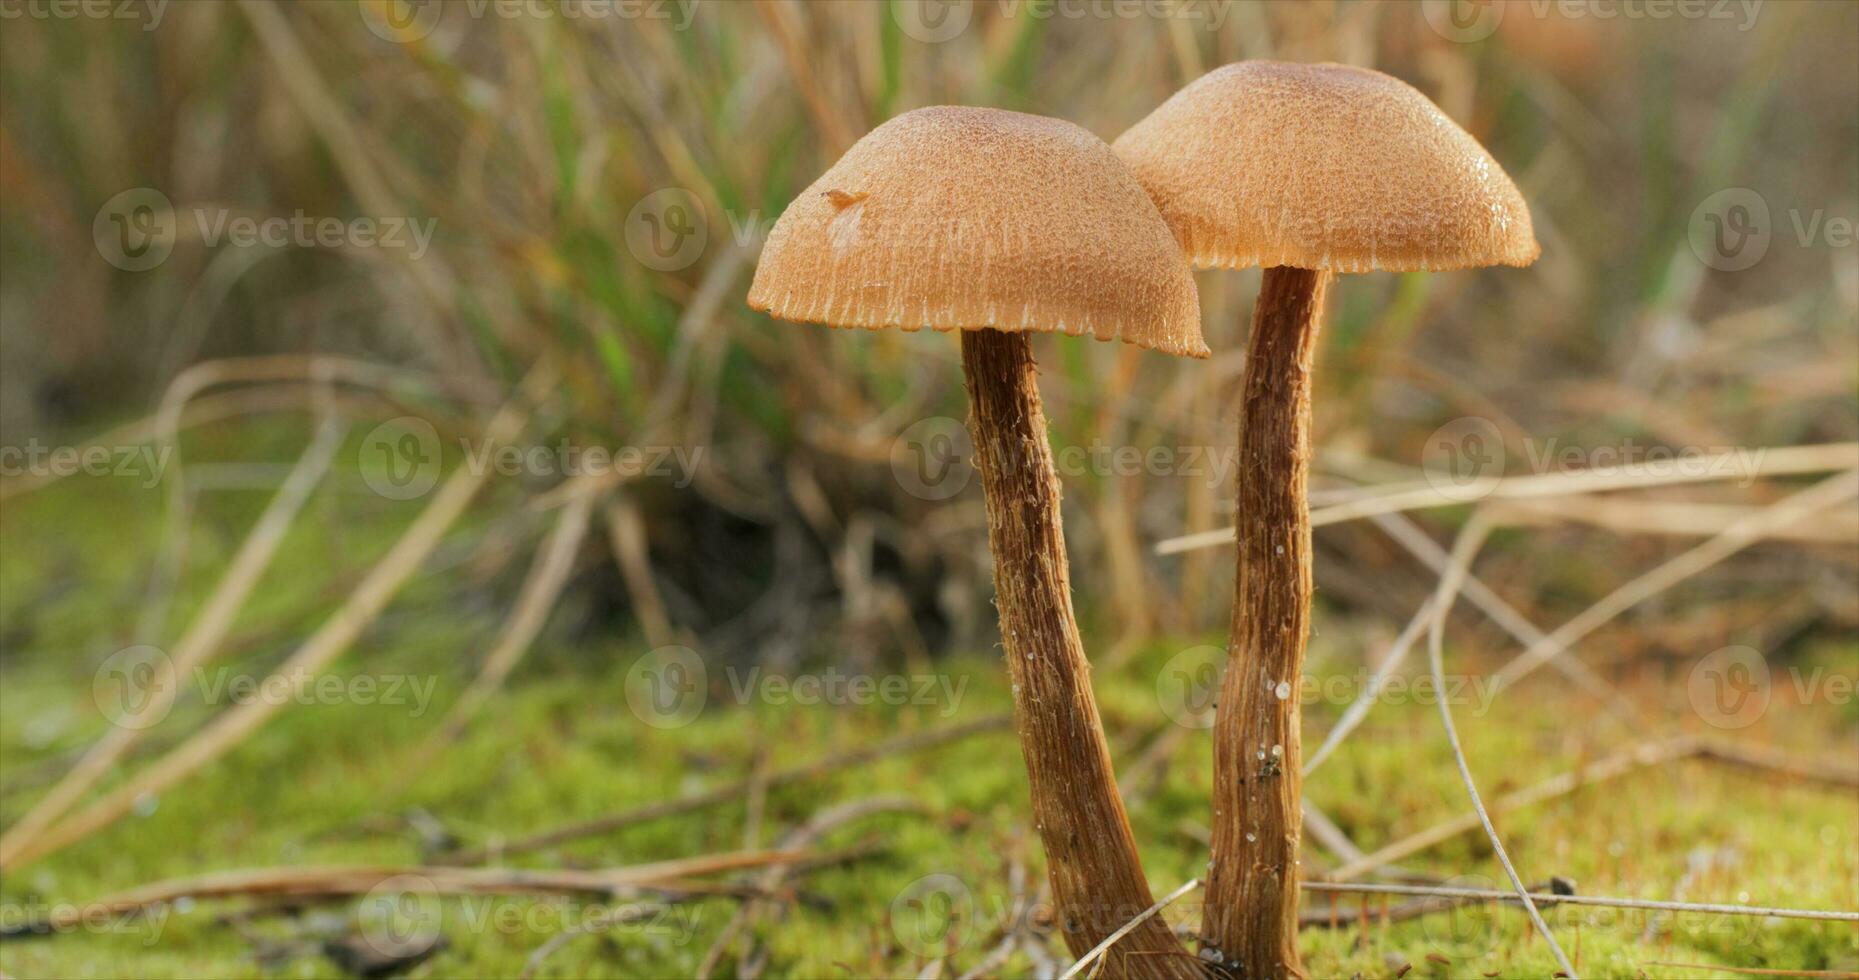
{"type": "Point", "coordinates": [1252, 903]}
{"type": "Point", "coordinates": [1091, 859]}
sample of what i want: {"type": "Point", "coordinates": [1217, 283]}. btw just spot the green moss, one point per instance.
{"type": "Point", "coordinates": [342, 782]}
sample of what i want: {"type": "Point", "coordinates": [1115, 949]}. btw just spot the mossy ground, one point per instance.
{"type": "Point", "coordinates": [338, 783]}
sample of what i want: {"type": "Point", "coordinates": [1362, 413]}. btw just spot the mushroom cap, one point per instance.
{"type": "Point", "coordinates": [962, 218]}
{"type": "Point", "coordinates": [1324, 167]}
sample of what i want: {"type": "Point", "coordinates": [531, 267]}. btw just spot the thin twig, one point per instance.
{"type": "Point", "coordinates": [626, 534]}
{"type": "Point", "coordinates": [1448, 891]}
{"type": "Point", "coordinates": [1769, 760]}
{"type": "Point", "coordinates": [1777, 461]}
{"type": "Point", "coordinates": [668, 876]}
{"type": "Point", "coordinates": [1470, 537]}
{"type": "Point", "coordinates": [1677, 518]}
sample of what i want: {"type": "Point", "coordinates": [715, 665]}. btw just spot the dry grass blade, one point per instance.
{"type": "Point", "coordinates": [1764, 759]}
{"type": "Point", "coordinates": [1601, 770]}
{"type": "Point", "coordinates": [669, 876]}
{"type": "Point", "coordinates": [626, 534]}
{"type": "Point", "coordinates": [1470, 538]}
{"type": "Point", "coordinates": [195, 647]}
{"type": "Point", "coordinates": [380, 585]}
{"type": "Point", "coordinates": [541, 589]}
{"type": "Point", "coordinates": [1359, 708]}
{"type": "Point", "coordinates": [1677, 518]}
{"type": "Point", "coordinates": [1409, 536]}
{"type": "Point", "coordinates": [1745, 532]}
{"type": "Point", "coordinates": [1790, 460]}
{"type": "Point", "coordinates": [898, 745]}
{"type": "Point", "coordinates": [1446, 891]}
{"type": "Point", "coordinates": [1097, 952]}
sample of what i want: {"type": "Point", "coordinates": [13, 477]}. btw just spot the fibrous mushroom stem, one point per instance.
{"type": "Point", "coordinates": [1096, 875]}
{"type": "Point", "coordinates": [1252, 904]}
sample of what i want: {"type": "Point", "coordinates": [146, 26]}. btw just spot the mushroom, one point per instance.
{"type": "Point", "coordinates": [1001, 225]}
{"type": "Point", "coordinates": [1307, 170]}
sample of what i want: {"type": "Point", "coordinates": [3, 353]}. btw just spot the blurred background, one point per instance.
{"type": "Point", "coordinates": [410, 232]}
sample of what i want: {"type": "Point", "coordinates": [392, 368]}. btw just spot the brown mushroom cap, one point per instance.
{"type": "Point", "coordinates": [1324, 167]}
{"type": "Point", "coordinates": [960, 218]}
